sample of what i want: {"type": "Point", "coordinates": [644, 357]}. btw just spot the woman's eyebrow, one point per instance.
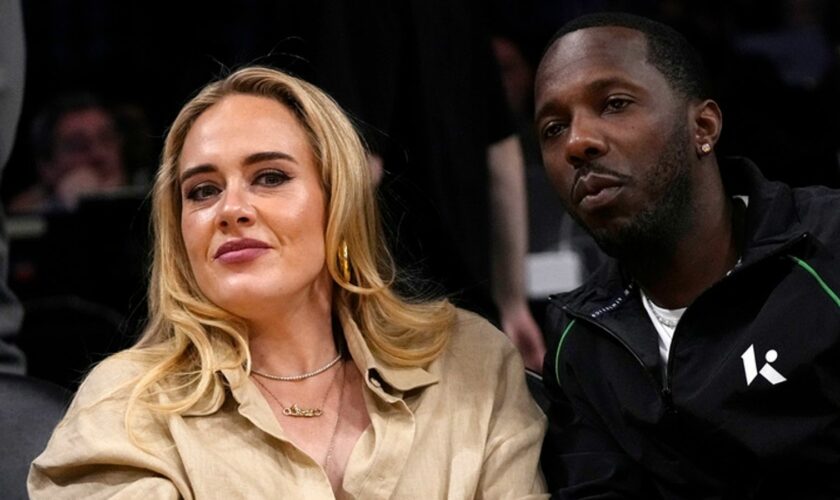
{"type": "Point", "coordinates": [198, 169]}
{"type": "Point", "coordinates": [268, 155]}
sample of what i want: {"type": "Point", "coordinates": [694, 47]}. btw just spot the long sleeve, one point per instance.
{"type": "Point", "coordinates": [581, 459]}
{"type": "Point", "coordinates": [517, 428]}
{"type": "Point", "coordinates": [90, 454]}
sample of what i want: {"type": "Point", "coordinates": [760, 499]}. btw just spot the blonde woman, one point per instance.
{"type": "Point", "coordinates": [278, 361]}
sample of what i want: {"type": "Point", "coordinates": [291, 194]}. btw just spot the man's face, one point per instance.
{"type": "Point", "coordinates": [615, 139]}
{"type": "Point", "coordinates": [86, 139]}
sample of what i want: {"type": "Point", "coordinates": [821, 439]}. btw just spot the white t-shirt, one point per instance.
{"type": "Point", "coordinates": [659, 316]}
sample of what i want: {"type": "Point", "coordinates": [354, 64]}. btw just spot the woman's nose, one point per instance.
{"type": "Point", "coordinates": [235, 208]}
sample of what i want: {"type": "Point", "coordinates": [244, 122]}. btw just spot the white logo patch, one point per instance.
{"type": "Point", "coordinates": [768, 372]}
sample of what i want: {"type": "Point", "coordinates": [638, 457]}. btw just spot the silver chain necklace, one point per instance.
{"type": "Point", "coordinates": [668, 323]}
{"type": "Point", "coordinates": [302, 376]}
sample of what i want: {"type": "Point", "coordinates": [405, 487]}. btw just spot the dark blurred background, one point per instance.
{"type": "Point", "coordinates": [774, 62]}
{"type": "Point", "coordinates": [774, 65]}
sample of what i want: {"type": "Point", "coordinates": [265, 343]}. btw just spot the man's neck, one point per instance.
{"type": "Point", "coordinates": [707, 252]}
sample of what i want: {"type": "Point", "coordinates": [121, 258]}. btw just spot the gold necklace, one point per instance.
{"type": "Point", "coordinates": [302, 376]}
{"type": "Point", "coordinates": [296, 411]}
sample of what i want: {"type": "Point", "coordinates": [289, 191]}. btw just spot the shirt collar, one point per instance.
{"type": "Point", "coordinates": [385, 380]}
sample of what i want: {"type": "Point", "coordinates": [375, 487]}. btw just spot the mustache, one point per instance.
{"type": "Point", "coordinates": [598, 168]}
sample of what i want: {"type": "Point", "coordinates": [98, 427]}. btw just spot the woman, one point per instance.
{"type": "Point", "coordinates": [278, 361]}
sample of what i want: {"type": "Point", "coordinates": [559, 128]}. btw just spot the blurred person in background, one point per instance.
{"type": "Point", "coordinates": [78, 150]}
{"type": "Point", "coordinates": [420, 79]}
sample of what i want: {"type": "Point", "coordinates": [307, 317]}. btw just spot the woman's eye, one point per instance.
{"type": "Point", "coordinates": [202, 192]}
{"type": "Point", "coordinates": [272, 178]}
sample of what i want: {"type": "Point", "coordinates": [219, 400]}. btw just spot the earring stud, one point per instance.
{"type": "Point", "coordinates": [705, 148]}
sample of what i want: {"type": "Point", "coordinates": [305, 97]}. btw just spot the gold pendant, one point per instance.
{"type": "Point", "coordinates": [296, 411]}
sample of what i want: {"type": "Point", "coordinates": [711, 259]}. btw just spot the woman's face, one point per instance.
{"type": "Point", "coordinates": [253, 215]}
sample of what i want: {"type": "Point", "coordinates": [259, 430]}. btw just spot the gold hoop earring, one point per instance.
{"type": "Point", "coordinates": [344, 260]}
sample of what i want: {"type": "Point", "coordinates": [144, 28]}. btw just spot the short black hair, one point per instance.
{"type": "Point", "coordinates": [667, 49]}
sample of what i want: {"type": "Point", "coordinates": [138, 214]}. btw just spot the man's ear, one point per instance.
{"type": "Point", "coordinates": [706, 123]}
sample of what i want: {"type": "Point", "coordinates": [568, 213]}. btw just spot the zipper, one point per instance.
{"type": "Point", "coordinates": [666, 382]}
{"type": "Point", "coordinates": [591, 320]}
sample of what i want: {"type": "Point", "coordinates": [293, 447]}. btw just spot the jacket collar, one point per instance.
{"type": "Point", "coordinates": [611, 299]}
{"type": "Point", "coordinates": [772, 218]}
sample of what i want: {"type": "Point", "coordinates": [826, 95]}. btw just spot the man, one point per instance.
{"type": "Point", "coordinates": [702, 362]}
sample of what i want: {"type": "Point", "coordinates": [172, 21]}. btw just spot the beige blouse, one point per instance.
{"type": "Point", "coordinates": [464, 427]}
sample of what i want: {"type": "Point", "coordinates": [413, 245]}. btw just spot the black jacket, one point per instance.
{"type": "Point", "coordinates": [618, 430]}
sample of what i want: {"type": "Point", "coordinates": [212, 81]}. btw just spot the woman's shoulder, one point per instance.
{"type": "Point", "coordinates": [92, 451]}
{"type": "Point", "coordinates": [100, 406]}
{"type": "Point", "coordinates": [470, 327]}
{"type": "Point", "coordinates": [475, 342]}
{"type": "Point", "coordinates": [111, 379]}
{"type": "Point", "coordinates": [481, 366]}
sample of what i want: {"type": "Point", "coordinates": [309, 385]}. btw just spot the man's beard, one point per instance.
{"type": "Point", "coordinates": [652, 235]}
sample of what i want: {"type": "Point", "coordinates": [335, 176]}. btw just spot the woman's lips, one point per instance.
{"type": "Point", "coordinates": [241, 250]}
{"type": "Point", "coordinates": [594, 191]}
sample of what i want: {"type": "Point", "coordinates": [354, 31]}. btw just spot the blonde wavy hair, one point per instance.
{"type": "Point", "coordinates": [188, 338]}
